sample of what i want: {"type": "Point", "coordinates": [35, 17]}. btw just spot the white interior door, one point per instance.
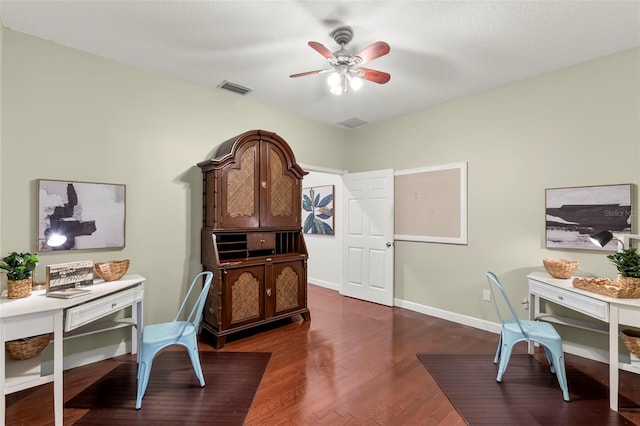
{"type": "Point", "coordinates": [368, 266]}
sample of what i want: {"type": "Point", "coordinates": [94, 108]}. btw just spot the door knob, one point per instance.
{"type": "Point", "coordinates": [388, 244]}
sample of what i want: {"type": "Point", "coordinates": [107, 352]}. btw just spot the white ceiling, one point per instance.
{"type": "Point", "coordinates": [440, 50]}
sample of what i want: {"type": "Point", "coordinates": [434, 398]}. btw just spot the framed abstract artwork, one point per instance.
{"type": "Point", "coordinates": [317, 210]}
{"type": "Point", "coordinates": [80, 215]}
{"type": "Point", "coordinates": [573, 214]}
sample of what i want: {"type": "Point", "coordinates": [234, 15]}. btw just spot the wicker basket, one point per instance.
{"type": "Point", "coordinates": [631, 339]}
{"type": "Point", "coordinates": [111, 271]}
{"type": "Point", "coordinates": [27, 348]}
{"type": "Point", "coordinates": [621, 289]}
{"type": "Point", "coordinates": [18, 289]}
{"type": "Point", "coordinates": [560, 268]}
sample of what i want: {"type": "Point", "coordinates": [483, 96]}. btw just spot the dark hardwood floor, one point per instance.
{"type": "Point", "coordinates": [354, 363]}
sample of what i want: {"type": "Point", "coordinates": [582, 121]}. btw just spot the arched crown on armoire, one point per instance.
{"type": "Point", "coordinates": [251, 236]}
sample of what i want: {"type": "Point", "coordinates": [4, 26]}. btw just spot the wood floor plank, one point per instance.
{"type": "Point", "coordinates": [354, 363]}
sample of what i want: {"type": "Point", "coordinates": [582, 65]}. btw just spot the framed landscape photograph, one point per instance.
{"type": "Point", "coordinates": [573, 214]}
{"type": "Point", "coordinates": [317, 210]}
{"type": "Point", "coordinates": [80, 215]}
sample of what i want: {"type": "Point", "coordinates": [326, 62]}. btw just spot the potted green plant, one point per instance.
{"type": "Point", "coordinates": [19, 267]}
{"type": "Point", "coordinates": [627, 262]}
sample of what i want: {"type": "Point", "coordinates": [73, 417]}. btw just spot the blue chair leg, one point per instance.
{"type": "Point", "coordinates": [504, 360]}
{"type": "Point", "coordinates": [144, 370]}
{"type": "Point", "coordinates": [195, 361]}
{"type": "Point", "coordinates": [498, 350]}
{"type": "Point", "coordinates": [561, 373]}
{"type": "Point", "coordinates": [550, 359]}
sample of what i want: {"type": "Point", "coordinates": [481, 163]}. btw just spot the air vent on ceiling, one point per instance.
{"type": "Point", "coordinates": [353, 123]}
{"type": "Point", "coordinates": [235, 88]}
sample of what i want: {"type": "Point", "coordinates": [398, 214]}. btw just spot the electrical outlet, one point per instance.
{"type": "Point", "coordinates": [486, 295]}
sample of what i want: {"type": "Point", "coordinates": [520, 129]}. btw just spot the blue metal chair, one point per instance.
{"type": "Point", "coordinates": [156, 337]}
{"type": "Point", "coordinates": [516, 330]}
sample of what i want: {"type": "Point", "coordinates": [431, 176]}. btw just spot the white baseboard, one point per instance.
{"type": "Point", "coordinates": [325, 284]}
{"type": "Point", "coordinates": [569, 347]}
{"type": "Point", "coordinates": [449, 316]}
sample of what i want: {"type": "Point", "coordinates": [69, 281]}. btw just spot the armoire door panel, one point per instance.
{"type": "Point", "coordinates": [244, 288]}
{"type": "Point", "coordinates": [281, 191]}
{"type": "Point", "coordinates": [289, 286]}
{"type": "Point", "coordinates": [240, 197]}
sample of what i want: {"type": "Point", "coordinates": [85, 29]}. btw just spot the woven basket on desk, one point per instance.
{"type": "Point", "coordinates": [560, 268]}
{"type": "Point", "coordinates": [27, 348]}
{"type": "Point", "coordinates": [19, 289]}
{"type": "Point", "coordinates": [621, 289]}
{"type": "Point", "coordinates": [631, 339]}
{"type": "Point", "coordinates": [111, 271]}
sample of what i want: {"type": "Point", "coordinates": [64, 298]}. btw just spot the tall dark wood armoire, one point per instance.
{"type": "Point", "coordinates": [251, 237]}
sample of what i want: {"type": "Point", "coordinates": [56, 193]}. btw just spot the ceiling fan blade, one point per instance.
{"type": "Point", "coordinates": [377, 49]}
{"type": "Point", "coordinates": [302, 74]}
{"type": "Point", "coordinates": [322, 50]}
{"type": "Point", "coordinates": [376, 76]}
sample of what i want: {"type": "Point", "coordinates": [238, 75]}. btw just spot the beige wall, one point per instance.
{"type": "Point", "coordinates": [71, 115]}
{"type": "Point", "coordinates": [552, 131]}
{"type": "Point", "coordinates": [1, 81]}
{"type": "Point", "coordinates": [74, 116]}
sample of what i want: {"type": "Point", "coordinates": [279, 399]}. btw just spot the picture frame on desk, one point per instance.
{"type": "Point", "coordinates": [65, 280]}
{"type": "Point", "coordinates": [88, 215]}
{"type": "Point", "coordinates": [575, 213]}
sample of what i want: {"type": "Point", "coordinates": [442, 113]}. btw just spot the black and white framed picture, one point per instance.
{"type": "Point", "coordinates": [573, 214]}
{"type": "Point", "coordinates": [80, 215]}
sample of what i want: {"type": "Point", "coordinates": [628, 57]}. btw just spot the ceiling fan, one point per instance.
{"type": "Point", "coordinates": [346, 72]}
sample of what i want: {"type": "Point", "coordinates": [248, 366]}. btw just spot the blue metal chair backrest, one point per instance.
{"type": "Point", "coordinates": [196, 312]}
{"type": "Point", "coordinates": [494, 282]}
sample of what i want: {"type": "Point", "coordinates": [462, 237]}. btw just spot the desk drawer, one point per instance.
{"type": "Point", "coordinates": [96, 309]}
{"type": "Point", "coordinates": [578, 302]}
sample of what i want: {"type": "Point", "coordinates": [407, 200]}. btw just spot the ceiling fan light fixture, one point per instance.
{"type": "Point", "coordinates": [337, 90]}
{"type": "Point", "coordinates": [355, 83]}
{"type": "Point", "coordinates": [334, 79]}
{"type": "Point", "coordinates": [345, 76]}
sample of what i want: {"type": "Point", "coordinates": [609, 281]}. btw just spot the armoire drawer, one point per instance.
{"type": "Point", "coordinates": [91, 311]}
{"type": "Point", "coordinates": [261, 241]}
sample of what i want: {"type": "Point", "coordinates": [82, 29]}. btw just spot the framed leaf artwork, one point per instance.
{"type": "Point", "coordinates": [317, 210]}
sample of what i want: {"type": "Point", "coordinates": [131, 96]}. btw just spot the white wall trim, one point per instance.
{"type": "Point", "coordinates": [572, 348]}
{"type": "Point", "coordinates": [325, 284]}
{"type": "Point", "coordinates": [449, 316]}
{"type": "Point", "coordinates": [311, 168]}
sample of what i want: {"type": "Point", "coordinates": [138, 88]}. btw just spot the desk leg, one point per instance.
{"type": "Point", "coordinates": [136, 334]}
{"type": "Point", "coordinates": [613, 356]}
{"type": "Point", "coordinates": [58, 357]}
{"type": "Point", "coordinates": [534, 309]}
{"type": "Point", "coordinates": [3, 372]}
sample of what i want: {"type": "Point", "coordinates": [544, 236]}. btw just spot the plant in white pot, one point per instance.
{"type": "Point", "coordinates": [19, 267]}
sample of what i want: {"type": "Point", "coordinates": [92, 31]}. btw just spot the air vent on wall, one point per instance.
{"type": "Point", "coordinates": [353, 123]}
{"type": "Point", "coordinates": [235, 88]}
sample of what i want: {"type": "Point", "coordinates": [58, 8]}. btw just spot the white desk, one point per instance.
{"type": "Point", "coordinates": [38, 314]}
{"type": "Point", "coordinates": [609, 310]}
